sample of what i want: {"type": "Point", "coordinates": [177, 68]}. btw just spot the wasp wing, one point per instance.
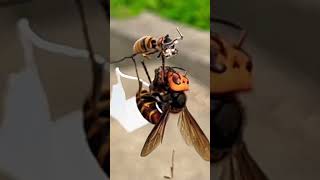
{"type": "Point", "coordinates": [193, 135]}
{"type": "Point", "coordinates": [155, 137]}
{"type": "Point", "coordinates": [238, 165]}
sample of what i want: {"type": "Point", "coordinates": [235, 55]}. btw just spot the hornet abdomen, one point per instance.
{"type": "Point", "coordinates": [148, 107]}
{"type": "Point", "coordinates": [144, 44]}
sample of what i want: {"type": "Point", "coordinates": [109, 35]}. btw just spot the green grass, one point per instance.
{"type": "Point", "coordinates": [193, 12]}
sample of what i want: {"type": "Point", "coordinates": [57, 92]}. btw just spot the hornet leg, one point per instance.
{"type": "Point", "coordinates": [146, 70]}
{"type": "Point", "coordinates": [139, 82]}
{"type": "Point", "coordinates": [144, 65]}
{"type": "Point", "coordinates": [163, 67]}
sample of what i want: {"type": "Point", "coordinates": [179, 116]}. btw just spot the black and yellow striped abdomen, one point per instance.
{"type": "Point", "coordinates": [144, 44]}
{"type": "Point", "coordinates": [148, 107]}
{"type": "Point", "coordinates": [96, 126]}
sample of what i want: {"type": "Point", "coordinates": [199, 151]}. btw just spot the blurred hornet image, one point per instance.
{"type": "Point", "coordinates": [231, 73]}
{"type": "Point", "coordinates": [96, 107]}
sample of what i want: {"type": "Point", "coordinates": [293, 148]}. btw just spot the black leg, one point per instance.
{"type": "Point", "coordinates": [139, 82]}
{"type": "Point", "coordinates": [146, 70]}
{"type": "Point", "coordinates": [163, 67]}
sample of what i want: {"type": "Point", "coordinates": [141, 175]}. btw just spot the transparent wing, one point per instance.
{"type": "Point", "coordinates": [155, 137]}
{"type": "Point", "coordinates": [193, 135]}
{"type": "Point", "coordinates": [238, 165]}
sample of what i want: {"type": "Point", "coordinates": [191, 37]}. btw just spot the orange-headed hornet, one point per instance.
{"type": "Point", "coordinates": [168, 97]}
{"type": "Point", "coordinates": [231, 73]}
{"type": "Point", "coordinates": [148, 45]}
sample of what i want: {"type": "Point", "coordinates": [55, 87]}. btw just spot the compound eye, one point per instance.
{"type": "Point", "coordinates": [176, 79]}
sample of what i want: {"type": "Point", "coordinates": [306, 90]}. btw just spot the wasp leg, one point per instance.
{"type": "Point", "coordinates": [124, 58]}
{"type": "Point", "coordinates": [139, 82]}
{"type": "Point", "coordinates": [163, 67]}
{"type": "Point", "coordinates": [146, 70]}
{"type": "Point", "coordinates": [143, 64]}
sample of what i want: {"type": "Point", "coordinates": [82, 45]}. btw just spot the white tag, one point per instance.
{"type": "Point", "coordinates": [123, 110]}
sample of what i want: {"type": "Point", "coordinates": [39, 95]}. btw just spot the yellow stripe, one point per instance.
{"type": "Point", "coordinates": [149, 43]}
{"type": "Point", "coordinates": [144, 44]}
{"type": "Point", "coordinates": [140, 101]}
{"type": "Point", "coordinates": [152, 112]}
{"type": "Point", "coordinates": [141, 45]}
{"type": "Point", "coordinates": [137, 45]}
{"type": "Point", "coordinates": [143, 92]}
{"type": "Point", "coordinates": [140, 96]}
{"type": "Point", "coordinates": [145, 105]}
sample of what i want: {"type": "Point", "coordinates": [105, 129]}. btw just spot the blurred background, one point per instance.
{"type": "Point", "coordinates": [283, 110]}
{"type": "Point", "coordinates": [131, 20]}
{"type": "Point", "coordinates": [195, 13]}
